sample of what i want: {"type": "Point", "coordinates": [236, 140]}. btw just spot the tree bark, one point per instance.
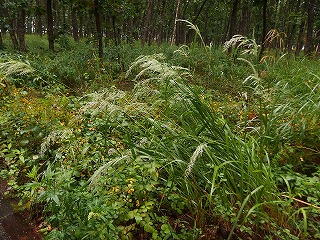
{"type": "Point", "coordinates": [55, 14]}
{"type": "Point", "coordinates": [300, 38]}
{"type": "Point", "coordinates": [1, 41]}
{"type": "Point", "coordinates": [97, 17]}
{"type": "Point", "coordinates": [233, 19]}
{"type": "Point", "coordinates": [147, 23]}
{"type": "Point", "coordinates": [114, 30]}
{"type": "Point", "coordinates": [292, 29]}
{"type": "Point", "coordinates": [38, 20]}
{"type": "Point", "coordinates": [12, 32]}
{"type": "Point", "coordinates": [264, 28]}
{"type": "Point", "coordinates": [310, 22]}
{"type": "Point", "coordinates": [245, 19]}
{"type": "Point", "coordinates": [81, 26]}
{"type": "Point", "coordinates": [174, 32]}
{"type": "Point", "coordinates": [50, 25]}
{"type": "Point", "coordinates": [21, 28]}
{"type": "Point", "coordinates": [74, 22]}
{"type": "Point", "coordinates": [161, 34]}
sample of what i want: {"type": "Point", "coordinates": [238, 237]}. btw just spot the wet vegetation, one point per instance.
{"type": "Point", "coordinates": [161, 141]}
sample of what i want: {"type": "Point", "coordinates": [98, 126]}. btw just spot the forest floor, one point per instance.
{"type": "Point", "coordinates": [15, 225]}
{"type": "Point", "coordinates": [179, 143]}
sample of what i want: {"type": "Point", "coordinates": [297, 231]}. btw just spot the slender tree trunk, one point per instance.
{"type": "Point", "coordinates": [38, 20]}
{"type": "Point", "coordinates": [12, 32]}
{"type": "Point", "coordinates": [147, 23]}
{"type": "Point", "coordinates": [50, 25]}
{"type": "Point", "coordinates": [195, 19]}
{"type": "Point", "coordinates": [245, 19]}
{"type": "Point", "coordinates": [181, 36]}
{"type": "Point", "coordinates": [21, 28]}
{"type": "Point", "coordinates": [264, 28]}
{"type": "Point", "coordinates": [300, 38]}
{"type": "Point", "coordinates": [55, 12]}
{"type": "Point", "coordinates": [190, 34]}
{"type": "Point", "coordinates": [318, 41]}
{"type": "Point", "coordinates": [310, 22]}
{"type": "Point", "coordinates": [292, 29]}
{"type": "Point", "coordinates": [160, 35]}
{"type": "Point", "coordinates": [97, 17]}
{"type": "Point", "coordinates": [81, 25]}
{"type": "Point", "coordinates": [233, 19]}
{"type": "Point", "coordinates": [74, 21]}
{"type": "Point", "coordinates": [29, 25]}
{"type": "Point", "coordinates": [174, 32]}
{"type": "Point", "coordinates": [113, 19]}
{"type": "Point", "coordinates": [155, 23]}
{"type": "Point", "coordinates": [1, 41]}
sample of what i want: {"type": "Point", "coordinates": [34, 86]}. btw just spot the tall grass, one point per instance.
{"type": "Point", "coordinates": [200, 154]}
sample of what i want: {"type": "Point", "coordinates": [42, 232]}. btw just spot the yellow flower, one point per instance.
{"type": "Point", "coordinates": [131, 190]}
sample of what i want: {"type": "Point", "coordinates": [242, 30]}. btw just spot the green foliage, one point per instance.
{"type": "Point", "coordinates": [169, 159]}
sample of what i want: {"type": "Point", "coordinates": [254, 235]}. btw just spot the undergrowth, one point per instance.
{"type": "Point", "coordinates": [200, 148]}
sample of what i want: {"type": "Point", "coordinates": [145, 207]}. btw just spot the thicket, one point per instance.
{"type": "Point", "coordinates": [162, 142]}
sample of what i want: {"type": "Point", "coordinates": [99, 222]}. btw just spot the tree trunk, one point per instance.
{"type": "Point", "coordinates": [190, 34]}
{"type": "Point", "coordinates": [29, 25]}
{"type": "Point", "coordinates": [310, 22]}
{"type": "Point", "coordinates": [245, 19]}
{"type": "Point", "coordinates": [318, 41]}
{"type": "Point", "coordinates": [292, 29]}
{"type": "Point", "coordinates": [38, 20]}
{"type": "Point", "coordinates": [181, 35]}
{"type": "Point", "coordinates": [300, 38]}
{"type": "Point", "coordinates": [147, 23]}
{"type": "Point", "coordinates": [160, 34]}
{"type": "Point", "coordinates": [12, 32]}
{"type": "Point", "coordinates": [174, 32]}
{"type": "Point", "coordinates": [21, 28]}
{"type": "Point", "coordinates": [55, 12]}
{"type": "Point", "coordinates": [97, 17]}
{"type": "Point", "coordinates": [113, 19]}
{"type": "Point", "coordinates": [1, 41]}
{"type": "Point", "coordinates": [81, 26]}
{"type": "Point", "coordinates": [264, 28]}
{"type": "Point", "coordinates": [233, 19]}
{"type": "Point", "coordinates": [75, 29]}
{"type": "Point", "coordinates": [50, 25]}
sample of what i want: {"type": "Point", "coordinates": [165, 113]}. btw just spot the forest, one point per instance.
{"type": "Point", "coordinates": [159, 119]}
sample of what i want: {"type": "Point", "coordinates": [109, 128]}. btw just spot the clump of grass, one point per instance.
{"type": "Point", "coordinates": [200, 154]}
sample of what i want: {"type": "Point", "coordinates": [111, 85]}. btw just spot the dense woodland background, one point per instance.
{"type": "Point", "coordinates": [295, 24]}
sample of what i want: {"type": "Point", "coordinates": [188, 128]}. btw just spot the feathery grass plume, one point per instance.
{"type": "Point", "coordinates": [276, 38]}
{"type": "Point", "coordinates": [183, 50]}
{"type": "Point", "coordinates": [195, 28]}
{"type": "Point", "coordinates": [111, 100]}
{"type": "Point", "coordinates": [93, 180]}
{"type": "Point", "coordinates": [243, 45]}
{"type": "Point", "coordinates": [196, 154]}
{"type": "Point", "coordinates": [53, 137]}
{"type": "Point", "coordinates": [14, 67]}
{"type": "Point", "coordinates": [161, 81]}
{"type": "Point", "coordinates": [154, 64]}
{"type": "Point", "coordinates": [104, 100]}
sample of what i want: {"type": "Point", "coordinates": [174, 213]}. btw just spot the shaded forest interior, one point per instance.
{"type": "Point", "coordinates": [292, 25]}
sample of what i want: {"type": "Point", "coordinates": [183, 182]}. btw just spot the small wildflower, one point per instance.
{"type": "Point", "coordinates": [130, 191]}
